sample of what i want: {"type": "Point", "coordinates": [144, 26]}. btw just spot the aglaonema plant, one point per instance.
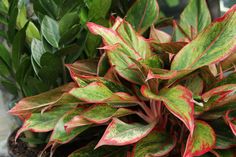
{"type": "Point", "coordinates": [161, 96]}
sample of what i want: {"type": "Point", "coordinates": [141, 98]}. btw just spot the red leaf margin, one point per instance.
{"type": "Point", "coordinates": [187, 152]}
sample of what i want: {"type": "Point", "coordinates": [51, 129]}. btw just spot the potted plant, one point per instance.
{"type": "Point", "coordinates": [160, 96]}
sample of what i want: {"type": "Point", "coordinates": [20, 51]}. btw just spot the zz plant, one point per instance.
{"type": "Point", "coordinates": [161, 96]}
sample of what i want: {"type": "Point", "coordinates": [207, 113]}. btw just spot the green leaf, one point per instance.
{"type": "Point", "coordinates": [45, 122]}
{"type": "Point", "coordinates": [22, 70]}
{"type": "Point", "coordinates": [154, 144]}
{"type": "Point", "coordinates": [178, 100]}
{"type": "Point", "coordinates": [50, 7]}
{"type": "Point", "coordinates": [98, 8]}
{"type": "Point", "coordinates": [202, 140]}
{"type": "Point", "coordinates": [119, 133]}
{"type": "Point", "coordinates": [51, 68]}
{"type": "Point", "coordinates": [69, 35]}
{"type": "Point", "coordinates": [194, 18]}
{"type": "Point", "coordinates": [18, 46]}
{"type": "Point", "coordinates": [32, 32]}
{"type": "Point", "coordinates": [59, 134]}
{"type": "Point", "coordinates": [68, 21]}
{"type": "Point", "coordinates": [70, 49]}
{"type": "Point", "coordinates": [4, 4]}
{"type": "Point", "coordinates": [29, 82]}
{"type": "Point", "coordinates": [5, 55]}
{"type": "Point", "coordinates": [123, 44]}
{"type": "Point", "coordinates": [97, 92]}
{"type": "Point", "coordinates": [38, 101]}
{"type": "Point", "coordinates": [50, 30]}
{"type": "Point", "coordinates": [13, 12]}
{"type": "Point", "coordinates": [9, 86]}
{"type": "Point", "coordinates": [209, 46]}
{"type": "Point", "coordinates": [88, 151]}
{"type": "Point", "coordinates": [101, 113]}
{"type": "Point", "coordinates": [93, 42]}
{"type": "Point", "coordinates": [37, 50]}
{"type": "Point", "coordinates": [143, 14]}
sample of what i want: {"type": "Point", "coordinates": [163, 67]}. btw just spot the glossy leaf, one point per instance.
{"type": "Point", "coordinates": [50, 31]}
{"type": "Point", "coordinates": [154, 144]}
{"type": "Point", "coordinates": [209, 46]}
{"type": "Point", "coordinates": [42, 100]}
{"type": "Point", "coordinates": [202, 140]}
{"type": "Point", "coordinates": [119, 133]}
{"type": "Point", "coordinates": [231, 119]}
{"type": "Point", "coordinates": [178, 101]}
{"type": "Point", "coordinates": [37, 50]}
{"type": "Point", "coordinates": [67, 22]}
{"type": "Point", "coordinates": [143, 14]}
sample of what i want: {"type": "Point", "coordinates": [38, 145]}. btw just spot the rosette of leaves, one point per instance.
{"type": "Point", "coordinates": [162, 96]}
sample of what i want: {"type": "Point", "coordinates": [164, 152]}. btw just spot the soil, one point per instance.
{"type": "Point", "coordinates": [21, 149]}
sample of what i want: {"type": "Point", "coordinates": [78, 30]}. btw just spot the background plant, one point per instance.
{"type": "Point", "coordinates": [168, 95]}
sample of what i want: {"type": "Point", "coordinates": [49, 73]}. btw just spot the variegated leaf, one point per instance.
{"type": "Point", "coordinates": [202, 140]}
{"type": "Point", "coordinates": [178, 100]}
{"type": "Point", "coordinates": [219, 96]}
{"type": "Point", "coordinates": [154, 144]}
{"type": "Point", "coordinates": [101, 113]}
{"type": "Point", "coordinates": [194, 19]}
{"type": "Point", "coordinates": [45, 122]}
{"type": "Point", "coordinates": [209, 46]}
{"type": "Point", "coordinates": [159, 36]}
{"type": "Point", "coordinates": [119, 133]}
{"type": "Point", "coordinates": [59, 134]}
{"type": "Point", "coordinates": [97, 92]}
{"type": "Point", "coordinates": [28, 104]}
{"type": "Point", "coordinates": [121, 44]}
